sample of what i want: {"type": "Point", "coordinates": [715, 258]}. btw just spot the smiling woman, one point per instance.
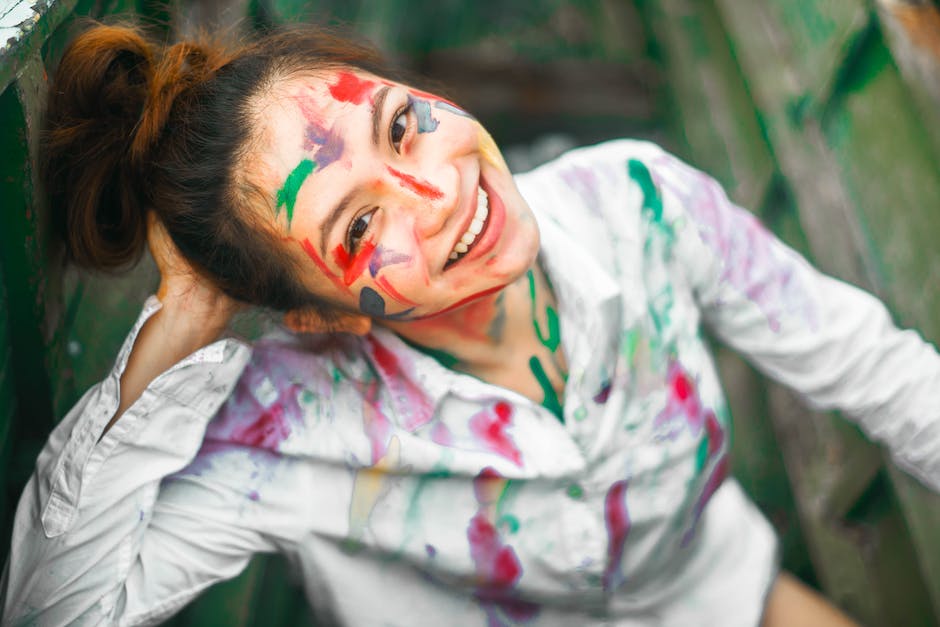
{"type": "Point", "coordinates": [493, 404]}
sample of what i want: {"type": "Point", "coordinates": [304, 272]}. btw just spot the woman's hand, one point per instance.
{"type": "Point", "coordinates": [194, 314]}
{"type": "Point", "coordinates": [190, 299]}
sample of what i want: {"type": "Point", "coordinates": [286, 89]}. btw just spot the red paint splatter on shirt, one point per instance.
{"type": "Point", "coordinates": [351, 88]}
{"type": "Point", "coordinates": [617, 521]}
{"type": "Point", "coordinates": [497, 565]}
{"type": "Point", "coordinates": [716, 434]}
{"type": "Point", "coordinates": [490, 426]}
{"type": "Point", "coordinates": [683, 402]}
{"type": "Point", "coordinates": [268, 431]}
{"type": "Point", "coordinates": [409, 399]}
{"type": "Point", "coordinates": [421, 188]}
{"type": "Point", "coordinates": [715, 479]}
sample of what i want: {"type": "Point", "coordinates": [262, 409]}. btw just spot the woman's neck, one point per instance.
{"type": "Point", "coordinates": [510, 338]}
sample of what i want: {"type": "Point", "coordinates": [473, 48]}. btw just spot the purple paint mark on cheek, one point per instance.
{"type": "Point", "coordinates": [254, 496]}
{"type": "Point", "coordinates": [382, 258]}
{"type": "Point", "coordinates": [328, 145]}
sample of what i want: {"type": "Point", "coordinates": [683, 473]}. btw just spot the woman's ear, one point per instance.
{"type": "Point", "coordinates": [309, 321]}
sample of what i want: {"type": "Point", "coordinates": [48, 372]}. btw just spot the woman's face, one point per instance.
{"type": "Point", "coordinates": [398, 202]}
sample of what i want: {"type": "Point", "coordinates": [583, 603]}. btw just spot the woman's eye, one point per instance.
{"type": "Point", "coordinates": [357, 229]}
{"type": "Point", "coordinates": [399, 127]}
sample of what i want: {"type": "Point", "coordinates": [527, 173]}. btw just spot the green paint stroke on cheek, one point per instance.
{"type": "Point", "coordinates": [551, 398]}
{"type": "Point", "coordinates": [287, 195]}
{"type": "Point", "coordinates": [651, 200]}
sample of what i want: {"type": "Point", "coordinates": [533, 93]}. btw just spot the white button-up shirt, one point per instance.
{"type": "Point", "coordinates": [409, 494]}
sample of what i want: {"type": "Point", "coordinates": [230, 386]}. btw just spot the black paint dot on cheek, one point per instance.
{"type": "Point", "coordinates": [371, 302]}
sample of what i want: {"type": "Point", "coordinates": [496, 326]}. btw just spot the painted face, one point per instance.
{"type": "Point", "coordinates": [397, 201]}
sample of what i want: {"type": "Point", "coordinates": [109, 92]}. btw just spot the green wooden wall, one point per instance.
{"type": "Point", "coordinates": [798, 107]}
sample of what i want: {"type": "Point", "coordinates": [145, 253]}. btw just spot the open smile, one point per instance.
{"type": "Point", "coordinates": [476, 230]}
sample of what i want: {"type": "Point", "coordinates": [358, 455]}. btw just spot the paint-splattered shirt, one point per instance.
{"type": "Point", "coordinates": [408, 494]}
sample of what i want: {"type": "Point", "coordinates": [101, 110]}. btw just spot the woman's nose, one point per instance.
{"type": "Point", "coordinates": [432, 199]}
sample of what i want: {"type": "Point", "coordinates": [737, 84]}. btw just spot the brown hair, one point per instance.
{"type": "Point", "coordinates": [133, 126]}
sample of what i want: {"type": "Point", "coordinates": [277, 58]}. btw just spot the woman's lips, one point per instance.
{"type": "Point", "coordinates": [492, 227]}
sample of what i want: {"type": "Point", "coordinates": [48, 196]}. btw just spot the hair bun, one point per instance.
{"type": "Point", "coordinates": [96, 101]}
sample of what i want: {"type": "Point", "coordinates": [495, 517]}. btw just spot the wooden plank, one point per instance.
{"type": "Point", "coordinates": [24, 265]}
{"type": "Point", "coordinates": [912, 32]}
{"type": "Point", "coordinates": [814, 177]}
{"type": "Point", "coordinates": [9, 491]}
{"type": "Point", "coordinates": [890, 165]}
{"type": "Point", "coordinates": [717, 116]}
{"type": "Point", "coordinates": [822, 35]}
{"type": "Point", "coordinates": [24, 27]}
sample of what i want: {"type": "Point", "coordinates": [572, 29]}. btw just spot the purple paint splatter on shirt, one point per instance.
{"type": "Point", "coordinates": [583, 181]}
{"type": "Point", "coordinates": [752, 260]}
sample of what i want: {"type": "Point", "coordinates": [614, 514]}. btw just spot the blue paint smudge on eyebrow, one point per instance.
{"type": "Point", "coordinates": [328, 145]}
{"type": "Point", "coordinates": [422, 109]}
{"type": "Point", "coordinates": [444, 106]}
{"type": "Point", "coordinates": [381, 258]}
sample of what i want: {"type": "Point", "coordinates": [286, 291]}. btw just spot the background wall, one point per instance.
{"type": "Point", "coordinates": [821, 116]}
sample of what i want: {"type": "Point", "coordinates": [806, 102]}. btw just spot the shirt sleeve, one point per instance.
{"type": "Point", "coordinates": [833, 343]}
{"type": "Point", "coordinates": [93, 542]}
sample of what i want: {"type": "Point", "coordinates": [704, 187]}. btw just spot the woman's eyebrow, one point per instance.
{"type": "Point", "coordinates": [377, 106]}
{"type": "Point", "coordinates": [330, 221]}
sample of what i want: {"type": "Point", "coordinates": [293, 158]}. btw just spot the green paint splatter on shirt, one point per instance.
{"type": "Point", "coordinates": [651, 200]}
{"type": "Point", "coordinates": [510, 522]}
{"type": "Point", "coordinates": [287, 195]}
{"type": "Point", "coordinates": [551, 398]}
{"type": "Point", "coordinates": [575, 491]}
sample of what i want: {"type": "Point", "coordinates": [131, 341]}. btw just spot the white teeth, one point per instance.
{"type": "Point", "coordinates": [475, 228]}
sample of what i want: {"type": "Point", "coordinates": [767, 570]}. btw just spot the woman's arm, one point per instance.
{"type": "Point", "coordinates": [93, 541]}
{"type": "Point", "coordinates": [828, 340]}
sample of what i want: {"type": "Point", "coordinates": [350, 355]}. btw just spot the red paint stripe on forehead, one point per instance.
{"type": "Point", "coordinates": [312, 253]}
{"type": "Point", "coordinates": [421, 188]}
{"type": "Point", "coordinates": [351, 88]}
